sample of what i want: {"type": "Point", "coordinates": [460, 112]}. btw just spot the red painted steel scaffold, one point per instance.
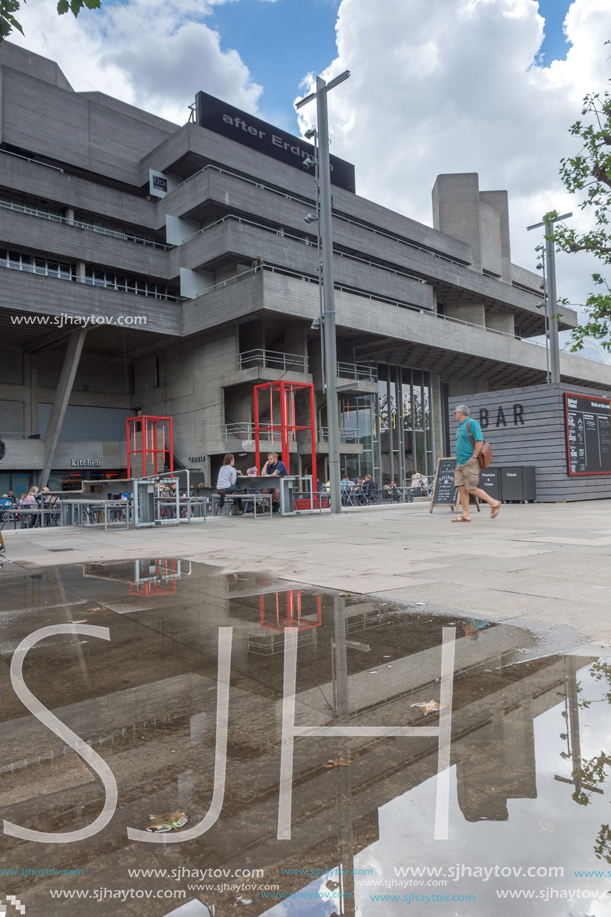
{"type": "Point", "coordinates": [285, 411]}
{"type": "Point", "coordinates": [155, 441]}
{"type": "Point", "coordinates": [295, 613]}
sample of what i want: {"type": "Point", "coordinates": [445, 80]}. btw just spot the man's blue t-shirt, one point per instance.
{"type": "Point", "coordinates": [464, 448]}
{"type": "Point", "coordinates": [279, 468]}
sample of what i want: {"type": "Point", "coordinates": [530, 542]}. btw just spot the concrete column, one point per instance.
{"type": "Point", "coordinates": [60, 402]}
{"type": "Point", "coordinates": [501, 321]}
{"type": "Point", "coordinates": [80, 271]}
{"type": "Point", "coordinates": [474, 313]}
{"type": "Point", "coordinates": [437, 411]}
{"type": "Point", "coordinates": [69, 216]}
{"type": "Point", "coordinates": [29, 396]}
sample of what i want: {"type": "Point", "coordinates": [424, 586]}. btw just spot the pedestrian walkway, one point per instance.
{"type": "Point", "coordinates": [546, 563]}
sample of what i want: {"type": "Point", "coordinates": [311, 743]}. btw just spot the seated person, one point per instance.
{"type": "Point", "coordinates": [369, 487]}
{"type": "Point", "coordinates": [361, 494]}
{"type": "Point", "coordinates": [276, 469]}
{"type": "Point", "coordinates": [29, 502]}
{"type": "Point", "coordinates": [226, 481]}
{"type": "Point", "coordinates": [248, 508]}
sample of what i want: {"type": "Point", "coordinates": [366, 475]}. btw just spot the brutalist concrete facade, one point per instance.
{"type": "Point", "coordinates": [178, 322]}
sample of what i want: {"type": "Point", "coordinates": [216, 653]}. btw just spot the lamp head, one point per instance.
{"type": "Point", "coordinates": [309, 135]}
{"type": "Point", "coordinates": [310, 218]}
{"type": "Point", "coordinates": [307, 163]}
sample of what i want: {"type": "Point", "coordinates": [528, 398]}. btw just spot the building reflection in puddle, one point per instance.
{"type": "Point", "coordinates": [526, 771]}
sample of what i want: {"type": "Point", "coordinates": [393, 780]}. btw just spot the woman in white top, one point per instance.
{"type": "Point", "coordinates": [416, 479]}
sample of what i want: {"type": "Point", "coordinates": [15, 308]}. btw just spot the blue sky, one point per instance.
{"type": "Point", "coordinates": [282, 41]}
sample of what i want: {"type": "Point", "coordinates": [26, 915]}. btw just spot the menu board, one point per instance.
{"type": "Point", "coordinates": [445, 491]}
{"type": "Point", "coordinates": [588, 434]}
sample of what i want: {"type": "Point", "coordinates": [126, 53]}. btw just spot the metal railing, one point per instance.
{"type": "Point", "coordinates": [273, 359]}
{"type": "Point", "coordinates": [345, 436]}
{"type": "Point", "coordinates": [80, 224]}
{"type": "Point", "coordinates": [247, 431]}
{"type": "Point", "coordinates": [115, 286]}
{"type": "Point", "coordinates": [240, 430]}
{"type": "Point", "coordinates": [360, 371]}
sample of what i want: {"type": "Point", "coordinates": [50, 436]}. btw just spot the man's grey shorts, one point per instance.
{"type": "Point", "coordinates": [467, 475]}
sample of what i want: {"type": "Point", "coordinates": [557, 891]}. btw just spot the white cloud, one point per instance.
{"type": "Point", "coordinates": [453, 86]}
{"type": "Point", "coordinates": [154, 54]}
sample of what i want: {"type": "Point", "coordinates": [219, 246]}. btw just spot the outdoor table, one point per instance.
{"type": "Point", "coordinates": [79, 512]}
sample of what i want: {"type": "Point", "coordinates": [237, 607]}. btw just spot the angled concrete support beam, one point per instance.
{"type": "Point", "coordinates": [60, 403]}
{"type": "Point", "coordinates": [48, 340]}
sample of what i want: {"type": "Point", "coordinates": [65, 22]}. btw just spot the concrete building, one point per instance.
{"type": "Point", "coordinates": [148, 230]}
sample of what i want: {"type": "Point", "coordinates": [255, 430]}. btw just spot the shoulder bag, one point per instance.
{"type": "Point", "coordinates": [485, 456]}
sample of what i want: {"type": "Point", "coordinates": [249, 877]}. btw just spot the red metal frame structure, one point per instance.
{"type": "Point", "coordinates": [150, 437]}
{"type": "Point", "coordinates": [293, 612]}
{"type": "Point", "coordinates": [287, 424]}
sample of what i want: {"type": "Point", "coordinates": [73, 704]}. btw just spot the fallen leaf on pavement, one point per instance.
{"type": "Point", "coordinates": [429, 706]}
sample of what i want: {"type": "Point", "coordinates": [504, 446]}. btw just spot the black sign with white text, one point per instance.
{"type": "Point", "coordinates": [445, 490]}
{"type": "Point", "coordinates": [237, 125]}
{"type": "Point", "coordinates": [588, 434]}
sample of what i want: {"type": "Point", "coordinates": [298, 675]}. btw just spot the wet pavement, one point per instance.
{"type": "Point", "coordinates": [250, 728]}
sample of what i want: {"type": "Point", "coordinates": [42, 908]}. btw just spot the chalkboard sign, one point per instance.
{"type": "Point", "coordinates": [588, 434]}
{"type": "Point", "coordinates": [445, 491]}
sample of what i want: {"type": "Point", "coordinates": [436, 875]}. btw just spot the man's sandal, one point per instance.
{"type": "Point", "coordinates": [495, 510]}
{"type": "Point", "coordinates": [461, 519]}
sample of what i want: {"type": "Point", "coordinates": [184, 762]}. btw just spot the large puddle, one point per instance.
{"type": "Point", "coordinates": [244, 753]}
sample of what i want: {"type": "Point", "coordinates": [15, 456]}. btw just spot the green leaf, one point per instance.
{"type": "Point", "coordinates": [7, 20]}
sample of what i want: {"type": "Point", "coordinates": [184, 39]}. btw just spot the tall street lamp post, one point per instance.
{"type": "Point", "coordinates": [550, 253]}
{"type": "Point", "coordinates": [328, 315]}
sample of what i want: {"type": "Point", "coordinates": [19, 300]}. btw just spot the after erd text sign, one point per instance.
{"type": "Point", "coordinates": [237, 125]}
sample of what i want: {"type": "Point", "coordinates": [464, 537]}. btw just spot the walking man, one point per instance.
{"type": "Point", "coordinates": [469, 441]}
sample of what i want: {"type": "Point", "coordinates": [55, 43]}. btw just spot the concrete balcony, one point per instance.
{"type": "Point", "coordinates": [31, 293]}
{"type": "Point", "coordinates": [442, 345]}
{"type": "Point", "coordinates": [37, 180]}
{"type": "Point", "coordinates": [243, 241]}
{"type": "Point", "coordinates": [71, 243]}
